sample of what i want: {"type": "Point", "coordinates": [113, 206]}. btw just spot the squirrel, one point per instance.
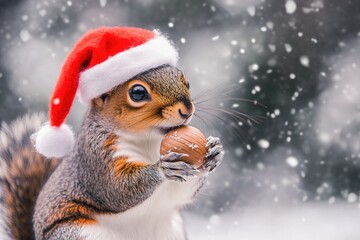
{"type": "Point", "coordinates": [113, 184]}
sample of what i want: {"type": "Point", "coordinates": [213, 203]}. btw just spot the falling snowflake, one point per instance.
{"type": "Point", "coordinates": [292, 161]}
{"type": "Point", "coordinates": [290, 6]}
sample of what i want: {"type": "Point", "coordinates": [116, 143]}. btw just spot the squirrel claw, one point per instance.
{"type": "Point", "coordinates": [214, 155]}
{"type": "Point", "coordinates": [175, 169]}
{"type": "Point", "coordinates": [172, 156]}
{"type": "Point", "coordinates": [176, 178]}
{"type": "Point", "coordinates": [212, 141]}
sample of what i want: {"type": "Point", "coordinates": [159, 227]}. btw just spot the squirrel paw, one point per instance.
{"type": "Point", "coordinates": [175, 169]}
{"type": "Point", "coordinates": [214, 155]}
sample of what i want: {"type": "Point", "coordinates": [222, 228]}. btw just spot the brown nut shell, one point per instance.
{"type": "Point", "coordinates": [187, 140]}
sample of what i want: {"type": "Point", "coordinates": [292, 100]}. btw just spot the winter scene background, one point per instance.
{"type": "Point", "coordinates": [277, 80]}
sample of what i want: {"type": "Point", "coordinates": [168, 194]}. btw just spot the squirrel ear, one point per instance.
{"type": "Point", "coordinates": [101, 101]}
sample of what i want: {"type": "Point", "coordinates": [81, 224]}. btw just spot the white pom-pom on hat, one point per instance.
{"type": "Point", "coordinates": [53, 141]}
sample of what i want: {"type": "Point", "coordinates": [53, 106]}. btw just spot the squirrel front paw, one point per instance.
{"type": "Point", "coordinates": [175, 169]}
{"type": "Point", "coordinates": [214, 155]}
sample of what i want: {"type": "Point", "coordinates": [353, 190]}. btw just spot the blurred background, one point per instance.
{"type": "Point", "coordinates": [277, 80]}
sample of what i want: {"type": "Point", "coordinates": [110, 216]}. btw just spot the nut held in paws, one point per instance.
{"type": "Point", "coordinates": [187, 140]}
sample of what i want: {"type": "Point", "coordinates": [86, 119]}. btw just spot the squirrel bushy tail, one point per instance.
{"type": "Point", "coordinates": [23, 172]}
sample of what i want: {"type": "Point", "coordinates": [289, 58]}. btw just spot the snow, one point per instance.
{"type": "Point", "coordinates": [352, 197]}
{"type": "Point", "coordinates": [314, 40]}
{"type": "Point", "coordinates": [256, 89]}
{"type": "Point", "coordinates": [260, 166]}
{"type": "Point", "coordinates": [336, 116]}
{"type": "Point", "coordinates": [56, 101]}
{"type": "Point", "coordinates": [238, 152]}
{"type": "Point", "coordinates": [103, 3]}
{"type": "Point", "coordinates": [25, 35]}
{"type": "Point", "coordinates": [42, 12]}
{"type": "Point", "coordinates": [290, 6]}
{"type": "Point", "coordinates": [292, 161]}
{"type": "Point", "coordinates": [234, 42]}
{"type": "Point", "coordinates": [342, 44]}
{"type": "Point", "coordinates": [295, 96]}
{"type": "Point", "coordinates": [292, 76]}
{"type": "Point", "coordinates": [215, 219]}
{"type": "Point", "coordinates": [310, 104]}
{"type": "Point", "coordinates": [272, 47]}
{"type": "Point", "coordinates": [270, 25]}
{"type": "Point", "coordinates": [312, 221]}
{"type": "Point", "coordinates": [251, 10]}
{"type": "Point", "coordinates": [215, 38]}
{"type": "Point", "coordinates": [183, 40]}
{"type": "Point", "coordinates": [253, 67]}
{"type": "Point", "coordinates": [305, 61]}
{"type": "Point", "coordinates": [288, 47]}
{"type": "Point", "coordinates": [170, 24]}
{"type": "Point", "coordinates": [192, 146]}
{"type": "Point", "coordinates": [263, 143]}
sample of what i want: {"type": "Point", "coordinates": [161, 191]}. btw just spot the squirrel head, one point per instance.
{"type": "Point", "coordinates": [158, 99]}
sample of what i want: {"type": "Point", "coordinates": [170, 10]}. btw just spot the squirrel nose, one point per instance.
{"type": "Point", "coordinates": [185, 114]}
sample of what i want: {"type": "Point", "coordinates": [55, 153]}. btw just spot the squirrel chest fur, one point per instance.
{"type": "Point", "coordinates": [155, 218]}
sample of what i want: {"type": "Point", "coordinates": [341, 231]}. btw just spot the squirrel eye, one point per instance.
{"type": "Point", "coordinates": [188, 85]}
{"type": "Point", "coordinates": [138, 93]}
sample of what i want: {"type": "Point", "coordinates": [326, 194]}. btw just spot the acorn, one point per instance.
{"type": "Point", "coordinates": [187, 140]}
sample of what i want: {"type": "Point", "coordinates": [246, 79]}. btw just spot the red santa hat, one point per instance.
{"type": "Point", "coordinates": [101, 60]}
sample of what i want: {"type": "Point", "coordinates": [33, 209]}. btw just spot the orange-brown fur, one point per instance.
{"type": "Point", "coordinates": [110, 142]}
{"type": "Point", "coordinates": [70, 213]}
{"type": "Point", "coordinates": [125, 168]}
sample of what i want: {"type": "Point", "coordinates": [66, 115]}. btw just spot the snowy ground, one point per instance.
{"type": "Point", "coordinates": [310, 222]}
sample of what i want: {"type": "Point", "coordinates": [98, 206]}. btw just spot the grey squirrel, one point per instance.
{"type": "Point", "coordinates": [113, 184]}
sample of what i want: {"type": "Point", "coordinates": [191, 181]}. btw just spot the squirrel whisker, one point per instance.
{"type": "Point", "coordinates": [209, 92]}
{"type": "Point", "coordinates": [239, 133]}
{"type": "Point", "coordinates": [237, 115]}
